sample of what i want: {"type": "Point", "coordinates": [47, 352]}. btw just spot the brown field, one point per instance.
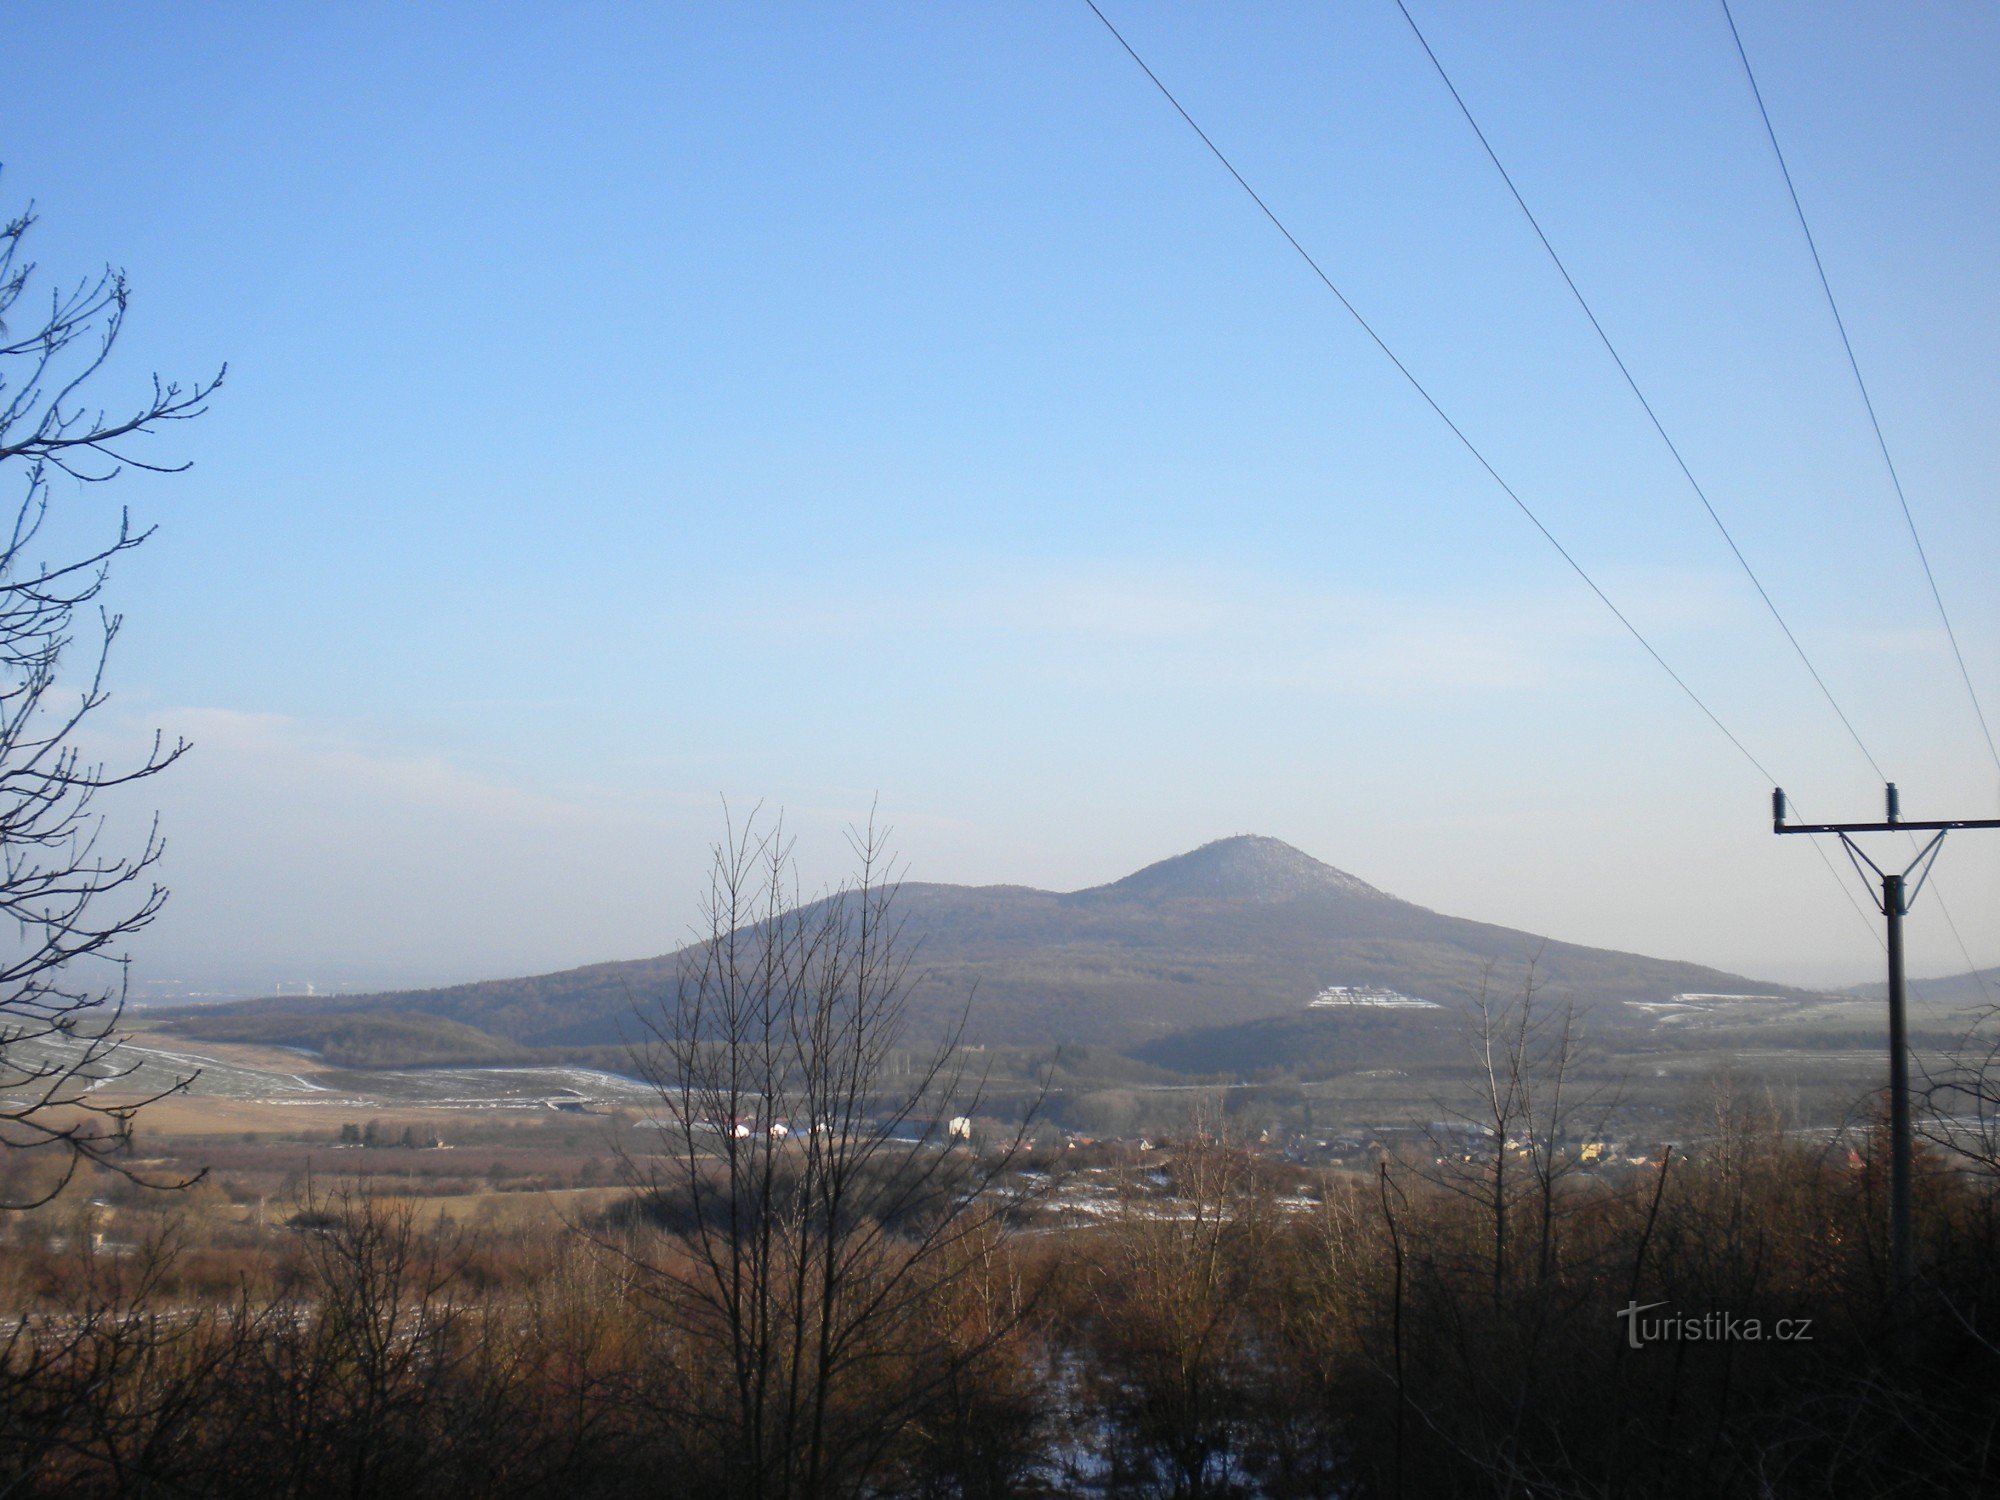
{"type": "Point", "coordinates": [238, 1054]}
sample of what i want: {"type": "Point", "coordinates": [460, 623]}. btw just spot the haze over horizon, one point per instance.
{"type": "Point", "coordinates": [1248, 868]}
{"type": "Point", "coordinates": [631, 411]}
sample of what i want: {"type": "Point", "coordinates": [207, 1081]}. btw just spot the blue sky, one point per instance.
{"type": "Point", "coordinates": [632, 408]}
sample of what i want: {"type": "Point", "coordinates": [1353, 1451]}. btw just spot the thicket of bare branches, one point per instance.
{"type": "Point", "coordinates": [1216, 1336]}
{"type": "Point", "coordinates": [69, 896]}
{"type": "Point", "coordinates": [1962, 1096]}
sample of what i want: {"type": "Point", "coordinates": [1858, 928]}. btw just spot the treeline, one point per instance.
{"type": "Point", "coordinates": [1416, 1332]}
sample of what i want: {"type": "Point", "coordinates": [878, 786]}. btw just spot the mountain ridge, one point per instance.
{"type": "Point", "coordinates": [1236, 930]}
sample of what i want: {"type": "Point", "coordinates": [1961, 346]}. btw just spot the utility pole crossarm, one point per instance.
{"type": "Point", "coordinates": [1940, 826]}
{"type": "Point", "coordinates": [1895, 823]}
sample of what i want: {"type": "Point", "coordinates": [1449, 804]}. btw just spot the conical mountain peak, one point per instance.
{"type": "Point", "coordinates": [1245, 868]}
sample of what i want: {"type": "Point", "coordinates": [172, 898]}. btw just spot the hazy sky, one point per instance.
{"type": "Point", "coordinates": [635, 406]}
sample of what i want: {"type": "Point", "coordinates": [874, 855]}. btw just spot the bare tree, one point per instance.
{"type": "Point", "coordinates": [811, 1184]}
{"type": "Point", "coordinates": [72, 899]}
{"type": "Point", "coordinates": [1515, 1140]}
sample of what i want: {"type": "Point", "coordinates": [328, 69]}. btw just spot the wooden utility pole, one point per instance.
{"type": "Point", "coordinates": [1894, 898]}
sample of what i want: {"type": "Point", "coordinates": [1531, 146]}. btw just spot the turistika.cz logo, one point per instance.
{"type": "Point", "coordinates": [1708, 1328]}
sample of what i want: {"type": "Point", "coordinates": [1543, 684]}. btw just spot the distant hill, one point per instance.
{"type": "Point", "coordinates": [1974, 989]}
{"type": "Point", "coordinates": [1237, 930]}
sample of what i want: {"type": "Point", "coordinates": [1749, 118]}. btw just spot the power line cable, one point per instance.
{"type": "Point", "coordinates": [1456, 431]}
{"type": "Point", "coordinates": [1867, 401]}
{"type": "Point", "coordinates": [1659, 427]}
{"type": "Point", "coordinates": [1881, 444]}
{"type": "Point", "coordinates": [1632, 384]}
{"type": "Point", "coordinates": [1429, 400]}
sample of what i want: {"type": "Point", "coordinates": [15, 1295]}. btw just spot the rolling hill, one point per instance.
{"type": "Point", "coordinates": [1976, 989]}
{"type": "Point", "coordinates": [1238, 930]}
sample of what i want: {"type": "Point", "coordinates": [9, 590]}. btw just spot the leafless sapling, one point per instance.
{"type": "Point", "coordinates": [810, 1178]}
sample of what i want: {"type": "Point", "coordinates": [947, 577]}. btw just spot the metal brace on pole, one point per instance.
{"type": "Point", "coordinates": [1893, 899]}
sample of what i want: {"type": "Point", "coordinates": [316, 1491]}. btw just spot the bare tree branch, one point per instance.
{"type": "Point", "coordinates": [69, 904]}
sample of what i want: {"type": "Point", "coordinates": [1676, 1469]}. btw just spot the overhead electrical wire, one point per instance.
{"type": "Point", "coordinates": [1867, 401]}
{"type": "Point", "coordinates": [1632, 384]}
{"type": "Point", "coordinates": [1881, 440]}
{"type": "Point", "coordinates": [1680, 462]}
{"type": "Point", "coordinates": [1458, 432]}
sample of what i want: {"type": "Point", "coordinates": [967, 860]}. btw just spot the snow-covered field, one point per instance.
{"type": "Point", "coordinates": [221, 1072]}
{"type": "Point", "coordinates": [1348, 996]}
